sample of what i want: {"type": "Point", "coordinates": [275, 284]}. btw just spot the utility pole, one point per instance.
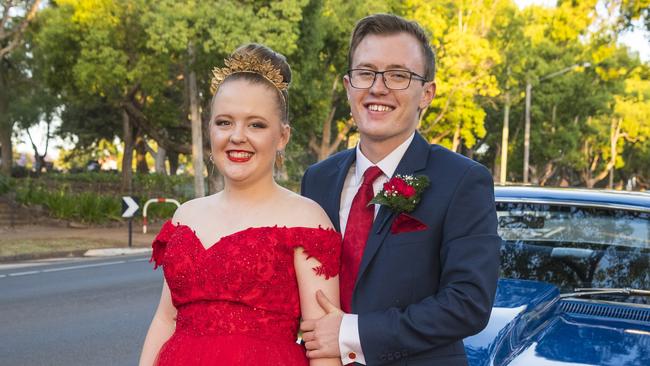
{"type": "Point", "coordinates": [504, 141]}
{"type": "Point", "coordinates": [529, 90]}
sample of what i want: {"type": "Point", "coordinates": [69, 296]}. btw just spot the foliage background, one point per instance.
{"type": "Point", "coordinates": [105, 70]}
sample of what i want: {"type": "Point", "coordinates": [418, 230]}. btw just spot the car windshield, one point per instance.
{"type": "Point", "coordinates": [573, 247]}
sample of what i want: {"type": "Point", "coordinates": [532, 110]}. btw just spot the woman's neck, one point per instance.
{"type": "Point", "coordinates": [255, 192]}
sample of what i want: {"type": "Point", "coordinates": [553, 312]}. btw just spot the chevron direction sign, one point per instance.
{"type": "Point", "coordinates": [129, 206]}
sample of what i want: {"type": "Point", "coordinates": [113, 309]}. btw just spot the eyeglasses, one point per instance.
{"type": "Point", "coordinates": [393, 79]}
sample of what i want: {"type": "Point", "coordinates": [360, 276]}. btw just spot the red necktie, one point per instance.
{"type": "Point", "coordinates": [356, 235]}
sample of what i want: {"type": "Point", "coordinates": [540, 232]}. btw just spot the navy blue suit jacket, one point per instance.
{"type": "Point", "coordinates": [418, 294]}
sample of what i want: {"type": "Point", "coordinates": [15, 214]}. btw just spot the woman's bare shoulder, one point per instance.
{"type": "Point", "coordinates": [189, 211]}
{"type": "Point", "coordinates": [306, 212]}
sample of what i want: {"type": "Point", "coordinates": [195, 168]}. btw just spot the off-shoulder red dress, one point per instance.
{"type": "Point", "coordinates": [237, 301]}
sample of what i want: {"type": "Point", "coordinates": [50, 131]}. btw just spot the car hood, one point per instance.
{"type": "Point", "coordinates": [531, 325]}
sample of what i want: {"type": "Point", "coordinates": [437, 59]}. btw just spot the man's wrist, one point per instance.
{"type": "Point", "coordinates": [349, 341]}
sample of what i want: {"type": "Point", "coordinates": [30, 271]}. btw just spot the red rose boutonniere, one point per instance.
{"type": "Point", "coordinates": [402, 194]}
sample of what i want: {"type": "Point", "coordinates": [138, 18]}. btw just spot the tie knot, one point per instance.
{"type": "Point", "coordinates": [371, 174]}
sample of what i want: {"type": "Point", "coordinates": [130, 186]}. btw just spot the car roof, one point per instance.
{"type": "Point", "coordinates": [574, 197]}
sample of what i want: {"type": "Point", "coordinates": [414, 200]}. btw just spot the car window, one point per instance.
{"type": "Point", "coordinates": [574, 224]}
{"type": "Point", "coordinates": [574, 247]}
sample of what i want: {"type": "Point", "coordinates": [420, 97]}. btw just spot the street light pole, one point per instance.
{"type": "Point", "coordinates": [504, 141]}
{"type": "Point", "coordinates": [529, 90]}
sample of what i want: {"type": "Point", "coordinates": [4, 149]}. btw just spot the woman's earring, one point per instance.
{"type": "Point", "coordinates": [279, 159]}
{"type": "Point", "coordinates": [211, 170]}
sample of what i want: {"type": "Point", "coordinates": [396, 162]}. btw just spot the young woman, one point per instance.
{"type": "Point", "coordinates": [243, 265]}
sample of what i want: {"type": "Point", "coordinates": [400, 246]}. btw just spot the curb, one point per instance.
{"type": "Point", "coordinates": [110, 252]}
{"type": "Point", "coordinates": [47, 255]}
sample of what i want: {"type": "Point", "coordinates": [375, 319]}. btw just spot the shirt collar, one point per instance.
{"type": "Point", "coordinates": [388, 165]}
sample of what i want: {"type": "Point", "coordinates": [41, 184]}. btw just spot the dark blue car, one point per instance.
{"type": "Point", "coordinates": [575, 280]}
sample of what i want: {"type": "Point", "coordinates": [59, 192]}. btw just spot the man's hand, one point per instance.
{"type": "Point", "coordinates": [321, 336]}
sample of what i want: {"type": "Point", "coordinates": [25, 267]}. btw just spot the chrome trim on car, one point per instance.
{"type": "Point", "coordinates": [571, 203]}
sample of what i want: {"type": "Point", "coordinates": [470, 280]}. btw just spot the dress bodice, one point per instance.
{"type": "Point", "coordinates": [244, 284]}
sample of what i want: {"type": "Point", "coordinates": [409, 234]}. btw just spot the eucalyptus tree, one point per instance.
{"type": "Point", "coordinates": [198, 35]}
{"type": "Point", "coordinates": [320, 112]}
{"type": "Point", "coordinates": [97, 52]}
{"type": "Point", "coordinates": [459, 31]}
{"type": "Point", "coordinates": [16, 16]}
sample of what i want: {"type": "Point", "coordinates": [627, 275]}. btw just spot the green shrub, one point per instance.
{"type": "Point", "coordinates": [5, 184]}
{"type": "Point", "coordinates": [96, 197]}
{"type": "Point", "coordinates": [55, 192]}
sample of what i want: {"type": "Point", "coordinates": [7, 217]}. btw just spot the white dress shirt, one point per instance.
{"type": "Point", "coordinates": [349, 342]}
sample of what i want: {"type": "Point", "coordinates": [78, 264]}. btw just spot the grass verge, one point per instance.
{"type": "Point", "coordinates": [24, 249]}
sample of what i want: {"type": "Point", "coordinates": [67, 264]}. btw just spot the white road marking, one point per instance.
{"type": "Point", "coordinates": [23, 273]}
{"type": "Point", "coordinates": [81, 266]}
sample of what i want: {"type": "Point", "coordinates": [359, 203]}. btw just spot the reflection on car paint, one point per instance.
{"type": "Point", "coordinates": [553, 242]}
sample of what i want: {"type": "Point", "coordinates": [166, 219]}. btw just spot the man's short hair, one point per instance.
{"type": "Point", "coordinates": [389, 24]}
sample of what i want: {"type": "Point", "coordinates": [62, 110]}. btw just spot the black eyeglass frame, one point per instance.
{"type": "Point", "coordinates": [412, 76]}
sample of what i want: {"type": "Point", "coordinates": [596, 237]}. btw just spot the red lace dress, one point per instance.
{"type": "Point", "coordinates": [238, 301]}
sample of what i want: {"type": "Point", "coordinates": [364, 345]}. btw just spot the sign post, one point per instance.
{"type": "Point", "coordinates": [129, 208]}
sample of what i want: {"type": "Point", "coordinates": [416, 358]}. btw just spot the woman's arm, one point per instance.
{"type": "Point", "coordinates": [161, 328]}
{"type": "Point", "coordinates": [308, 283]}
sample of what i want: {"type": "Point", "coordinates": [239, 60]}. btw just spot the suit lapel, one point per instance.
{"type": "Point", "coordinates": [332, 204]}
{"type": "Point", "coordinates": [414, 160]}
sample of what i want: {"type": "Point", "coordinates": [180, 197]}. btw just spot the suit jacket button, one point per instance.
{"type": "Point", "coordinates": [352, 355]}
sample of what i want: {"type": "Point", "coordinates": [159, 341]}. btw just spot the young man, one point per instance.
{"type": "Point", "coordinates": [413, 284]}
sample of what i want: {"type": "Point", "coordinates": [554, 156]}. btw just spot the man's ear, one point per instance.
{"type": "Point", "coordinates": [428, 94]}
{"type": "Point", "coordinates": [346, 85]}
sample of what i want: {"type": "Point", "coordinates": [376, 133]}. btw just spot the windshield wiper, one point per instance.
{"type": "Point", "coordinates": [606, 291]}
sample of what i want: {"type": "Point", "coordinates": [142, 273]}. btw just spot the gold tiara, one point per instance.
{"type": "Point", "coordinates": [250, 64]}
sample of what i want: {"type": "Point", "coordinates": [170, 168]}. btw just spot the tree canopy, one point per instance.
{"type": "Point", "coordinates": [123, 69]}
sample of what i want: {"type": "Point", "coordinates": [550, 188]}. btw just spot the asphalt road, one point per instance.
{"type": "Point", "coordinates": [77, 312]}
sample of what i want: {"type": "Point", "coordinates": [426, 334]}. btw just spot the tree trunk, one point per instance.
{"type": "Point", "coordinates": [127, 158]}
{"type": "Point", "coordinates": [534, 178]}
{"type": "Point", "coordinates": [549, 171]}
{"type": "Point", "coordinates": [6, 151]}
{"type": "Point", "coordinates": [326, 146]}
{"type": "Point", "coordinates": [455, 142]}
{"type": "Point", "coordinates": [173, 162]}
{"type": "Point", "coordinates": [160, 157]}
{"type": "Point", "coordinates": [6, 127]}
{"type": "Point", "coordinates": [197, 130]}
{"type": "Point", "coordinates": [141, 165]}
{"type": "Point", "coordinates": [12, 39]}
{"type": "Point", "coordinates": [614, 136]}
{"type": "Point", "coordinates": [39, 159]}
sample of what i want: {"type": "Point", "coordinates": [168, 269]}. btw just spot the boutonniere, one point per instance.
{"type": "Point", "coordinates": [401, 194]}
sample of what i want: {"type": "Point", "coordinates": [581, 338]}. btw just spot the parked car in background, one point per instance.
{"type": "Point", "coordinates": [575, 280]}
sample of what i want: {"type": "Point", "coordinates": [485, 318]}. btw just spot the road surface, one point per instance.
{"type": "Point", "coordinates": [77, 312]}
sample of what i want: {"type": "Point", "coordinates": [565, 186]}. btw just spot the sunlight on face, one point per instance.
{"type": "Point", "coordinates": [246, 130]}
